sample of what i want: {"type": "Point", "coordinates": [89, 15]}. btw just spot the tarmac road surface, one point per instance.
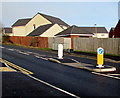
{"type": "Point", "coordinates": [76, 82]}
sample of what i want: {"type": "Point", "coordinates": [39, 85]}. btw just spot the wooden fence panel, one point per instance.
{"type": "Point", "coordinates": [15, 39]}
{"type": "Point", "coordinates": [110, 45]}
{"type": "Point", "coordinates": [50, 42]}
{"type": "Point", "coordinates": [54, 41]}
{"type": "Point", "coordinates": [26, 41]}
{"type": "Point", "coordinates": [42, 42]}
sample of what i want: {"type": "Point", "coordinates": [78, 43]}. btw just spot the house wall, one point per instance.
{"type": "Point", "coordinates": [37, 20]}
{"type": "Point", "coordinates": [101, 35]}
{"type": "Point", "coordinates": [117, 30]}
{"type": "Point", "coordinates": [9, 34]}
{"type": "Point", "coordinates": [18, 31]}
{"type": "Point", "coordinates": [51, 32]}
{"type": "Point", "coordinates": [111, 33]}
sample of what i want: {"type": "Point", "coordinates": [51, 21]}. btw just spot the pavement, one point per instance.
{"type": "Point", "coordinates": [76, 64]}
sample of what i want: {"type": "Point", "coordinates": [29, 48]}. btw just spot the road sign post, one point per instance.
{"type": "Point", "coordinates": [60, 51]}
{"type": "Point", "coordinates": [100, 57]}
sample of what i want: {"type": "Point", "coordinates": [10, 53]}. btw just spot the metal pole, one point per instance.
{"type": "Point", "coordinates": [95, 29]}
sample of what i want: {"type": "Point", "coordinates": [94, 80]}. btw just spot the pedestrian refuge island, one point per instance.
{"type": "Point", "coordinates": [100, 67]}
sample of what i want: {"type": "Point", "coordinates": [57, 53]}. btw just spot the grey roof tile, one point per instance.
{"type": "Point", "coordinates": [40, 30]}
{"type": "Point", "coordinates": [82, 30]}
{"type": "Point", "coordinates": [54, 19]}
{"type": "Point", "coordinates": [21, 22]}
{"type": "Point", "coordinates": [8, 30]}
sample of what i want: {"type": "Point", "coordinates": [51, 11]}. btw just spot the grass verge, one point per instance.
{"type": "Point", "coordinates": [47, 49]}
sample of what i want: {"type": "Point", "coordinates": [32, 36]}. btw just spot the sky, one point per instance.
{"type": "Point", "coordinates": [73, 13]}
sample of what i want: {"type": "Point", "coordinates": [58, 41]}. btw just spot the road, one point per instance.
{"type": "Point", "coordinates": [68, 80]}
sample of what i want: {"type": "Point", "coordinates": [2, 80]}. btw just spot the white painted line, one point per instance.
{"type": "Point", "coordinates": [30, 52]}
{"type": "Point", "coordinates": [2, 47]}
{"type": "Point", "coordinates": [17, 50]}
{"type": "Point", "coordinates": [37, 56]}
{"type": "Point", "coordinates": [114, 74]}
{"type": "Point", "coordinates": [43, 58]}
{"type": "Point", "coordinates": [106, 75]}
{"type": "Point", "coordinates": [10, 49]}
{"type": "Point", "coordinates": [76, 61]}
{"type": "Point", "coordinates": [59, 89]}
{"type": "Point", "coordinates": [10, 67]}
{"type": "Point", "coordinates": [23, 53]}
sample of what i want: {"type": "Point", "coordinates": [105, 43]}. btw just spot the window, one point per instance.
{"type": "Point", "coordinates": [102, 35]}
{"type": "Point", "coordinates": [34, 26]}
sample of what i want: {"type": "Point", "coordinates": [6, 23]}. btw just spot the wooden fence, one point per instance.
{"type": "Point", "coordinates": [110, 45]}
{"type": "Point", "coordinates": [41, 42]}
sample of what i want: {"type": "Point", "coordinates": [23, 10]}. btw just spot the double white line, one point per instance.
{"type": "Point", "coordinates": [107, 75]}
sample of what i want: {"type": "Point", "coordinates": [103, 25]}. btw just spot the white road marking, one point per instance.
{"type": "Point", "coordinates": [23, 52]}
{"type": "Point", "coordinates": [10, 49]}
{"type": "Point", "coordinates": [17, 50]}
{"type": "Point", "coordinates": [10, 67]}
{"type": "Point", "coordinates": [37, 56]}
{"type": "Point", "coordinates": [41, 57]}
{"type": "Point", "coordinates": [2, 47]}
{"type": "Point", "coordinates": [76, 61]}
{"type": "Point", "coordinates": [59, 89]}
{"type": "Point", "coordinates": [114, 74]}
{"type": "Point", "coordinates": [30, 52]}
{"type": "Point", "coordinates": [106, 75]}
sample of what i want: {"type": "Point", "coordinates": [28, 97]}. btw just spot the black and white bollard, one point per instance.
{"type": "Point", "coordinates": [60, 51]}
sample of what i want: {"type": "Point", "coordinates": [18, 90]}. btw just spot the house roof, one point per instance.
{"type": "Point", "coordinates": [82, 30]}
{"type": "Point", "coordinates": [118, 24]}
{"type": "Point", "coordinates": [117, 30]}
{"type": "Point", "coordinates": [8, 30]}
{"type": "Point", "coordinates": [40, 30]}
{"type": "Point", "coordinates": [21, 22]}
{"type": "Point", "coordinates": [54, 19]}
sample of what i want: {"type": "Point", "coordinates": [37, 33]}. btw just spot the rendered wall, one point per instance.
{"type": "Point", "coordinates": [51, 32]}
{"type": "Point", "coordinates": [19, 31]}
{"type": "Point", "coordinates": [38, 20]}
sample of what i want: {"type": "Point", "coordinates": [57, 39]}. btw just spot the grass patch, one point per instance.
{"type": "Point", "coordinates": [85, 52]}
{"type": "Point", "coordinates": [47, 49]}
{"type": "Point", "coordinates": [94, 53]}
{"type": "Point", "coordinates": [112, 55]}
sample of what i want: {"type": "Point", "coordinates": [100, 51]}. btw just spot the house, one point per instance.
{"type": "Point", "coordinates": [117, 30]}
{"type": "Point", "coordinates": [49, 30]}
{"type": "Point", "coordinates": [19, 27]}
{"type": "Point", "coordinates": [7, 31]}
{"type": "Point", "coordinates": [111, 33]}
{"type": "Point", "coordinates": [23, 27]}
{"type": "Point", "coordinates": [75, 31]}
